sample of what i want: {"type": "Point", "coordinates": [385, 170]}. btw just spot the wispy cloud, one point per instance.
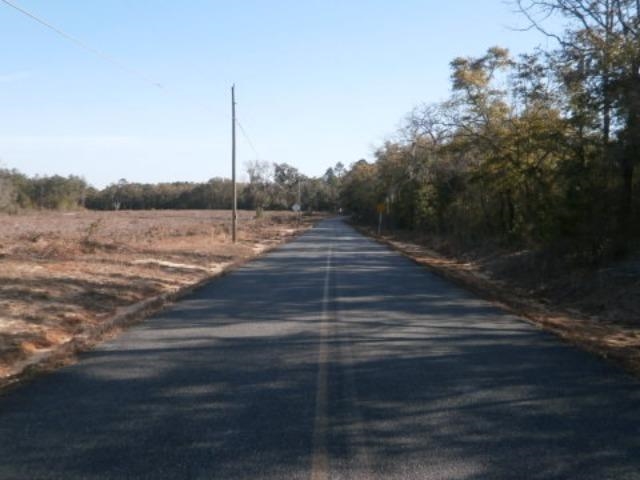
{"type": "Point", "coordinates": [11, 77]}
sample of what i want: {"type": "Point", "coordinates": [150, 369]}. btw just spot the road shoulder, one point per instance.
{"type": "Point", "coordinates": [619, 344]}
{"type": "Point", "coordinates": [81, 280]}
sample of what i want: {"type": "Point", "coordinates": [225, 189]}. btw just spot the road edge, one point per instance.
{"type": "Point", "coordinates": [124, 318]}
{"type": "Point", "coordinates": [583, 333]}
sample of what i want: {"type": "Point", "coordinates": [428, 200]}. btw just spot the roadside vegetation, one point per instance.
{"type": "Point", "coordinates": [526, 176]}
{"type": "Point", "coordinates": [523, 184]}
{"type": "Point", "coordinates": [537, 151]}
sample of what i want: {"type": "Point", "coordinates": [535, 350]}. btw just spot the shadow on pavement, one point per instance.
{"type": "Point", "coordinates": [425, 381]}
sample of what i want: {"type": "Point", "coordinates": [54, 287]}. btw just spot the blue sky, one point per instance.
{"type": "Point", "coordinates": [317, 81]}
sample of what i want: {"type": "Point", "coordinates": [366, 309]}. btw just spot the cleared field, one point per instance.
{"type": "Point", "coordinates": [63, 274]}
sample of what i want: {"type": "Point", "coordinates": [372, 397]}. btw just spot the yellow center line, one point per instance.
{"type": "Point", "coordinates": [320, 459]}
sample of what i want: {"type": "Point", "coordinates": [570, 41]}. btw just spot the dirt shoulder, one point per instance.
{"type": "Point", "coordinates": [595, 309]}
{"type": "Point", "coordinates": [68, 280]}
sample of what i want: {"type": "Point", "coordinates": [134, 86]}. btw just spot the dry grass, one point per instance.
{"type": "Point", "coordinates": [63, 274]}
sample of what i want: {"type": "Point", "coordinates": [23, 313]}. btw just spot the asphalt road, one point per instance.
{"type": "Point", "coordinates": [331, 357]}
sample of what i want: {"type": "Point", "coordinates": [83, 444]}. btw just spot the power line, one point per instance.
{"type": "Point", "coordinates": [113, 61]}
{"type": "Point", "coordinates": [83, 45]}
{"type": "Point", "coordinates": [246, 137]}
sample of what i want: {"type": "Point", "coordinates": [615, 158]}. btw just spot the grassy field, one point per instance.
{"type": "Point", "coordinates": [62, 274]}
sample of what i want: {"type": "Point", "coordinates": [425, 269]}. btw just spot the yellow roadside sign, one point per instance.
{"type": "Point", "coordinates": [380, 208]}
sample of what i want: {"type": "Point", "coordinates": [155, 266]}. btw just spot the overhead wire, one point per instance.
{"type": "Point", "coordinates": [104, 56]}
{"type": "Point", "coordinates": [112, 60]}
{"type": "Point", "coordinates": [246, 137]}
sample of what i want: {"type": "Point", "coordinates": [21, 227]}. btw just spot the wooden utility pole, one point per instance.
{"type": "Point", "coordinates": [234, 218]}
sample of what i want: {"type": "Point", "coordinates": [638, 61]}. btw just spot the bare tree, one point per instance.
{"type": "Point", "coordinates": [260, 177]}
{"type": "Point", "coordinates": [7, 195]}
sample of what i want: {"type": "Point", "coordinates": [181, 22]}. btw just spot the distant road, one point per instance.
{"type": "Point", "coordinates": [329, 358]}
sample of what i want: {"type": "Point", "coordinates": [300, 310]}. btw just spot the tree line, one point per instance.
{"type": "Point", "coordinates": [271, 186]}
{"type": "Point", "coordinates": [20, 192]}
{"type": "Point", "coordinates": [536, 150]}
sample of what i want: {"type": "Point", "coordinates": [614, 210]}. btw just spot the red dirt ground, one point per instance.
{"type": "Point", "coordinates": [64, 273]}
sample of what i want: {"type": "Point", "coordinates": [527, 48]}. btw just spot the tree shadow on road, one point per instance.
{"type": "Point", "coordinates": [425, 381]}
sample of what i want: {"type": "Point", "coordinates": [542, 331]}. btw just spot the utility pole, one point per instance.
{"type": "Point", "coordinates": [299, 199]}
{"type": "Point", "coordinates": [234, 218]}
